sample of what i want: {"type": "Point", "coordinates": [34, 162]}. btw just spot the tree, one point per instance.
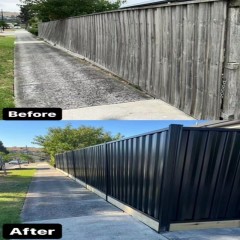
{"type": "Point", "coordinates": [26, 157]}
{"type": "Point", "coordinates": [59, 140]}
{"type": "Point", "coordinates": [10, 156]}
{"type": "Point", "coordinates": [46, 10]}
{"type": "Point", "coordinates": [26, 14]}
{"type": "Point", "coordinates": [2, 148]}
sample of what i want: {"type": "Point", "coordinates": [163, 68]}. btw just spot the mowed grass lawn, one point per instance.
{"type": "Point", "coordinates": [13, 190]}
{"type": "Point", "coordinates": [6, 72]}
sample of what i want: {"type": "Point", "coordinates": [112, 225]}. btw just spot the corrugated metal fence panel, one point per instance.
{"type": "Point", "coordinates": [61, 162]}
{"type": "Point", "coordinates": [80, 168]}
{"type": "Point", "coordinates": [70, 163]}
{"type": "Point", "coordinates": [173, 52]}
{"type": "Point", "coordinates": [96, 166]}
{"type": "Point", "coordinates": [174, 175]}
{"type": "Point", "coordinates": [207, 174]}
{"type": "Point", "coordinates": [135, 171]}
{"type": "Point", "coordinates": [57, 161]}
{"type": "Point", "coordinates": [65, 163]}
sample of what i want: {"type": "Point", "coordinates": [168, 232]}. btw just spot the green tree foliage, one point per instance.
{"type": "Point", "coordinates": [2, 148]}
{"type": "Point", "coordinates": [26, 13]}
{"type": "Point", "coordinates": [6, 157]}
{"type": "Point", "coordinates": [59, 140]}
{"type": "Point", "coordinates": [3, 24]}
{"type": "Point", "coordinates": [46, 10]}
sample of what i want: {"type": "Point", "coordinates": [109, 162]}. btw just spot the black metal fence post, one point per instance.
{"type": "Point", "coordinates": [174, 137]}
{"type": "Point", "coordinates": [74, 167]}
{"type": "Point", "coordinates": [106, 169]}
{"type": "Point", "coordinates": [85, 164]}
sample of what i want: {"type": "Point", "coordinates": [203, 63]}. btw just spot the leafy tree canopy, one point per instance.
{"type": "Point", "coordinates": [26, 13]}
{"type": "Point", "coordinates": [47, 10]}
{"type": "Point", "coordinates": [2, 148]}
{"type": "Point", "coordinates": [3, 24]}
{"type": "Point", "coordinates": [6, 157]}
{"type": "Point", "coordinates": [59, 140]}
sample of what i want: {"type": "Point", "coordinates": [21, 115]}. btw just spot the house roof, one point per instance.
{"type": "Point", "coordinates": [139, 3]}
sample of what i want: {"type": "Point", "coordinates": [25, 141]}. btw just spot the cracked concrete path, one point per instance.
{"type": "Point", "coordinates": [49, 77]}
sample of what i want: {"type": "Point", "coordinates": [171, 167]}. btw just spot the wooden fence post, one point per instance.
{"type": "Point", "coordinates": [174, 138]}
{"type": "Point", "coordinates": [231, 83]}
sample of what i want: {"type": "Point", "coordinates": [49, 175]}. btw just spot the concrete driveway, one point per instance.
{"type": "Point", "coordinates": [48, 77]}
{"type": "Point", "coordinates": [55, 198]}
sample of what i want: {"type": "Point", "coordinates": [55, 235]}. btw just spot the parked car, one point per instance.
{"type": "Point", "coordinates": [23, 162]}
{"type": "Point", "coordinates": [13, 162]}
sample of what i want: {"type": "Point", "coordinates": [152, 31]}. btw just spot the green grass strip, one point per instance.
{"type": "Point", "coordinates": [13, 190]}
{"type": "Point", "coordinates": [6, 72]}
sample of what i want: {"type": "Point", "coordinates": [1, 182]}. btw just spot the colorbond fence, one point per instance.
{"type": "Point", "coordinates": [166, 178]}
{"type": "Point", "coordinates": [186, 54]}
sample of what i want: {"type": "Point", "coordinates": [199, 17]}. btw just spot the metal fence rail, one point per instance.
{"type": "Point", "coordinates": [176, 175]}
{"type": "Point", "coordinates": [174, 52]}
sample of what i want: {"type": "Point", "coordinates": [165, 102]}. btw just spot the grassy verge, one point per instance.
{"type": "Point", "coordinates": [13, 189]}
{"type": "Point", "coordinates": [6, 72]}
{"type": "Point", "coordinates": [33, 30]}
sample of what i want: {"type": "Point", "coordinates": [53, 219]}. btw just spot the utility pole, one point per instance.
{"type": "Point", "coordinates": [2, 21]}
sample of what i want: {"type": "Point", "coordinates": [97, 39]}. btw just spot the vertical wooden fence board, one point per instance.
{"type": "Point", "coordinates": [143, 64]}
{"type": "Point", "coordinates": [231, 84]}
{"type": "Point", "coordinates": [201, 60]}
{"type": "Point", "coordinates": [157, 68]}
{"type": "Point", "coordinates": [189, 59]}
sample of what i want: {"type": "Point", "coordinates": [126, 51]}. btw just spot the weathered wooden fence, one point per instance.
{"type": "Point", "coordinates": [173, 179]}
{"type": "Point", "coordinates": [176, 52]}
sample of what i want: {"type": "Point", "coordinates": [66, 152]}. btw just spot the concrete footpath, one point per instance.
{"type": "Point", "coordinates": [46, 76]}
{"type": "Point", "coordinates": [55, 198]}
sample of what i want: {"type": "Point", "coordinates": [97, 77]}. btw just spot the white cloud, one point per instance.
{"type": "Point", "coordinates": [9, 5]}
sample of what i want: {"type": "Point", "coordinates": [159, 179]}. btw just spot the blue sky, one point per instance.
{"type": "Point", "coordinates": [21, 133]}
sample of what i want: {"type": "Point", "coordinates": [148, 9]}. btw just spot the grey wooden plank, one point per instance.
{"type": "Point", "coordinates": [189, 58]}
{"type": "Point", "coordinates": [231, 91]}
{"type": "Point", "coordinates": [201, 59]}
{"type": "Point", "coordinates": [157, 68]}
{"type": "Point", "coordinates": [122, 50]}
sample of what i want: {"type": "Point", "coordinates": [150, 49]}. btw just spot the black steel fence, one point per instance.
{"type": "Point", "coordinates": [175, 175]}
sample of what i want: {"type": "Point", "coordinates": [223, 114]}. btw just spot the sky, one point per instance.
{"type": "Point", "coordinates": [9, 5]}
{"type": "Point", "coordinates": [21, 133]}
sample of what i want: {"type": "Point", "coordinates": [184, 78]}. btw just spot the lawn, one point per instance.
{"type": "Point", "coordinates": [6, 72]}
{"type": "Point", "coordinates": [13, 189]}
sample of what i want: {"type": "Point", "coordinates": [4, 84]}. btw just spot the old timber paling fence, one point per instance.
{"type": "Point", "coordinates": [169, 179]}
{"type": "Point", "coordinates": [186, 54]}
